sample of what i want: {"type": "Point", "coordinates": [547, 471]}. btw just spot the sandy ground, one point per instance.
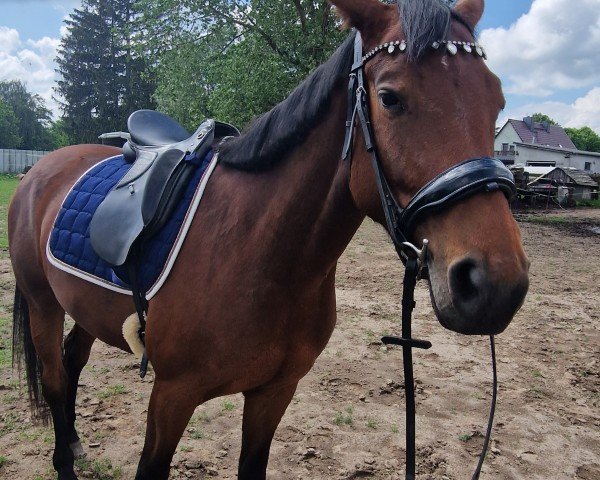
{"type": "Point", "coordinates": [347, 418]}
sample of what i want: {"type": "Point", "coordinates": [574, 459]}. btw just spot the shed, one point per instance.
{"type": "Point", "coordinates": [580, 185]}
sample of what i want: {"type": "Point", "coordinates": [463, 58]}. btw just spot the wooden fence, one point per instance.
{"type": "Point", "coordinates": [14, 161]}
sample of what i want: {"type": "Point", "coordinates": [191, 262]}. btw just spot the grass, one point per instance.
{"type": "Point", "coordinates": [3, 461]}
{"type": "Point", "coordinates": [589, 203]}
{"type": "Point", "coordinates": [549, 219]}
{"type": "Point", "coordinates": [9, 422]}
{"type": "Point", "coordinates": [8, 185]}
{"type": "Point", "coordinates": [102, 469]}
{"type": "Point", "coordinates": [372, 424]}
{"type": "Point", "coordinates": [465, 437]}
{"type": "Point", "coordinates": [228, 406]}
{"type": "Point", "coordinates": [198, 435]}
{"type": "Point", "coordinates": [112, 391]}
{"type": "Point", "coordinates": [344, 418]}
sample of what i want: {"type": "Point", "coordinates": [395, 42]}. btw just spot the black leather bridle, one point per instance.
{"type": "Point", "coordinates": [466, 179]}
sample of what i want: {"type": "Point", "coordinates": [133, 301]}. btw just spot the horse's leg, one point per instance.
{"type": "Point", "coordinates": [172, 404]}
{"type": "Point", "coordinates": [263, 409]}
{"type": "Point", "coordinates": [47, 325]}
{"type": "Point", "coordinates": [77, 347]}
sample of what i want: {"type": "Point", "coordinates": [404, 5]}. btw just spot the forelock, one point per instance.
{"type": "Point", "coordinates": [423, 22]}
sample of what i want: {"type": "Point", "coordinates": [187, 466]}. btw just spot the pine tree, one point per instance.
{"type": "Point", "coordinates": [104, 78]}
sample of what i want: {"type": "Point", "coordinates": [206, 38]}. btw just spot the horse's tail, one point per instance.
{"type": "Point", "coordinates": [24, 349]}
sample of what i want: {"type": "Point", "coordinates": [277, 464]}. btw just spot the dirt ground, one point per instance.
{"type": "Point", "coordinates": [347, 418]}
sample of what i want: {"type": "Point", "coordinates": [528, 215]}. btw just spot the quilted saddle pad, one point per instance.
{"type": "Point", "coordinates": [69, 246]}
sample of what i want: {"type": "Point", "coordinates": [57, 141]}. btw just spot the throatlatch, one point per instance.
{"type": "Point", "coordinates": [468, 178]}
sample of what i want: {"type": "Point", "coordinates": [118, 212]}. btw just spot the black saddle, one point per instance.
{"type": "Point", "coordinates": [164, 157]}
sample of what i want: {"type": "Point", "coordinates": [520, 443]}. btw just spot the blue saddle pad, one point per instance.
{"type": "Point", "coordinates": [69, 246]}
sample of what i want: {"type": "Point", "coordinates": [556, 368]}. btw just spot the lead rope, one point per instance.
{"type": "Point", "coordinates": [408, 343]}
{"type": "Point", "coordinates": [488, 432]}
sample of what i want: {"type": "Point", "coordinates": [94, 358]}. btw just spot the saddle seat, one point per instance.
{"type": "Point", "coordinates": [164, 156]}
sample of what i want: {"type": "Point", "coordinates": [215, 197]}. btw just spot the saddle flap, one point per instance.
{"type": "Point", "coordinates": [116, 224]}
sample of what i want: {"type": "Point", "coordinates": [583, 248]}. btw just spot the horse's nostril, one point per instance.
{"type": "Point", "coordinates": [465, 281]}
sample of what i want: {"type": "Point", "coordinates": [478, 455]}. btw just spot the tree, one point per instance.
{"type": "Point", "coordinates": [542, 117]}
{"type": "Point", "coordinates": [9, 127]}
{"type": "Point", "coordinates": [584, 138]}
{"type": "Point", "coordinates": [246, 55]}
{"type": "Point", "coordinates": [103, 77]}
{"type": "Point", "coordinates": [31, 113]}
{"type": "Point", "coordinates": [58, 135]}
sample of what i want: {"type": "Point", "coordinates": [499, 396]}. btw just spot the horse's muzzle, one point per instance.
{"type": "Point", "coordinates": [476, 300]}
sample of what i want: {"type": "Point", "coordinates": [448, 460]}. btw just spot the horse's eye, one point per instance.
{"type": "Point", "coordinates": [391, 101]}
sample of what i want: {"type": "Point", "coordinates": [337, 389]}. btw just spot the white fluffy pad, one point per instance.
{"type": "Point", "coordinates": [131, 327]}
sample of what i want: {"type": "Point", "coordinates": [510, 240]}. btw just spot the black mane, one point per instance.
{"type": "Point", "coordinates": [273, 134]}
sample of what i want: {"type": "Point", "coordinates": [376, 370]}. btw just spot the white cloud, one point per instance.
{"type": "Point", "coordinates": [555, 46]}
{"type": "Point", "coordinates": [585, 111]}
{"type": "Point", "coordinates": [9, 40]}
{"type": "Point", "coordinates": [32, 62]}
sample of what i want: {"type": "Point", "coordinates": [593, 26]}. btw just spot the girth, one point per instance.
{"type": "Point", "coordinates": [468, 178]}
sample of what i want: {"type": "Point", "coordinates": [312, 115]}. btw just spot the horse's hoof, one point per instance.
{"type": "Point", "coordinates": [77, 449]}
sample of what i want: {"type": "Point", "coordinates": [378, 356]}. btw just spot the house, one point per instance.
{"type": "Point", "coordinates": [536, 144]}
{"type": "Point", "coordinates": [579, 185]}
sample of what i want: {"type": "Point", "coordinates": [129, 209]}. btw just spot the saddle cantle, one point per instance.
{"type": "Point", "coordinates": [164, 157]}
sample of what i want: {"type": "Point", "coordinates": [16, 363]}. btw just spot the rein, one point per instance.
{"type": "Point", "coordinates": [461, 181]}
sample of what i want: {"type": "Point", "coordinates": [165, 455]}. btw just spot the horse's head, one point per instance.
{"type": "Point", "coordinates": [432, 106]}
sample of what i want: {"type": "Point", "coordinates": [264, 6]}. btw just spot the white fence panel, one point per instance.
{"type": "Point", "coordinates": [14, 161]}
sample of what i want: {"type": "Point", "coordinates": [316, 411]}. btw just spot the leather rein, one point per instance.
{"type": "Point", "coordinates": [466, 179]}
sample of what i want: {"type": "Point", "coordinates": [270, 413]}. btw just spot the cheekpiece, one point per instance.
{"type": "Point", "coordinates": [451, 46]}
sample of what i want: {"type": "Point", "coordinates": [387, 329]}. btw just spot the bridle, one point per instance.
{"type": "Point", "coordinates": [464, 180]}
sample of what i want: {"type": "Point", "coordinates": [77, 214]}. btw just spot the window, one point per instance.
{"type": "Point", "coordinates": [504, 147]}
{"type": "Point", "coordinates": [541, 164]}
{"type": "Point", "coordinates": [512, 149]}
{"type": "Point", "coordinates": [588, 166]}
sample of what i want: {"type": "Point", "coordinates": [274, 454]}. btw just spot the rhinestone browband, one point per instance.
{"type": "Point", "coordinates": [452, 46]}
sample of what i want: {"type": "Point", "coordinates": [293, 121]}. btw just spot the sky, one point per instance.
{"type": "Point", "coordinates": [546, 52]}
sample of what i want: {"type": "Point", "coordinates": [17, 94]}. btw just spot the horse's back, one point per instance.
{"type": "Point", "coordinates": [43, 188]}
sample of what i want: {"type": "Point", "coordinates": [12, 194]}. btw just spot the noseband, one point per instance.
{"type": "Point", "coordinates": [468, 178]}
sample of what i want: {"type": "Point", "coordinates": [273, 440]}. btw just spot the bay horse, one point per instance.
{"type": "Point", "coordinates": [252, 292]}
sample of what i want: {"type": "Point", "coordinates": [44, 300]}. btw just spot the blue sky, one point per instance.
{"type": "Point", "coordinates": [539, 48]}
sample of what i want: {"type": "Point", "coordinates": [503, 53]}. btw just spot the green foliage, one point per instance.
{"type": "Point", "coordinates": [584, 138]}
{"type": "Point", "coordinates": [542, 117]}
{"type": "Point", "coordinates": [9, 127]}
{"type": "Point", "coordinates": [32, 116]}
{"type": "Point", "coordinates": [103, 77]}
{"type": "Point", "coordinates": [58, 136]}
{"type": "Point", "coordinates": [234, 59]}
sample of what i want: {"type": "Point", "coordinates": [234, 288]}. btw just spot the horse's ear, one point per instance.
{"type": "Point", "coordinates": [470, 10]}
{"type": "Point", "coordinates": [364, 15]}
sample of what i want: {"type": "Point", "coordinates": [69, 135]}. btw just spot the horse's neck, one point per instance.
{"type": "Point", "coordinates": [319, 179]}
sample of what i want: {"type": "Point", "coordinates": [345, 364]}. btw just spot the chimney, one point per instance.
{"type": "Point", "coordinates": [546, 126]}
{"type": "Point", "coordinates": [529, 122]}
